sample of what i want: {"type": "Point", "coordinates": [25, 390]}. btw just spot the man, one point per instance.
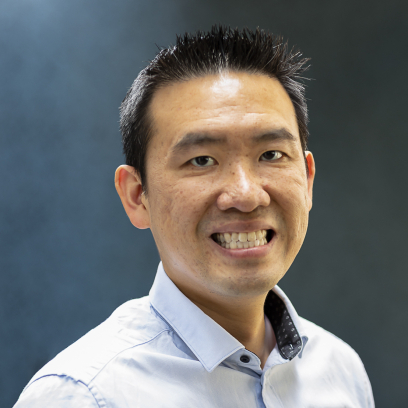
{"type": "Point", "coordinates": [215, 133]}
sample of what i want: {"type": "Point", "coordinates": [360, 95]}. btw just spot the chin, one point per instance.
{"type": "Point", "coordinates": [248, 282]}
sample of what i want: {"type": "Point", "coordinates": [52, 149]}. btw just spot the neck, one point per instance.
{"type": "Point", "coordinates": [244, 319]}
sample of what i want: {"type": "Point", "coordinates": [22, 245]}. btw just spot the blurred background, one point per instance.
{"type": "Point", "coordinates": [69, 256]}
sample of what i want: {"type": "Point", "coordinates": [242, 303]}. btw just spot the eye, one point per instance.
{"type": "Point", "coordinates": [202, 161]}
{"type": "Point", "coordinates": [271, 155]}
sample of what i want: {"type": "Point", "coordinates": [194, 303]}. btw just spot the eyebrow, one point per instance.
{"type": "Point", "coordinates": [203, 139]}
{"type": "Point", "coordinates": [280, 134]}
{"type": "Point", "coordinates": [197, 139]}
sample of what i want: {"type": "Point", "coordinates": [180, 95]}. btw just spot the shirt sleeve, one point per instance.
{"type": "Point", "coordinates": [56, 391]}
{"type": "Point", "coordinates": [369, 398]}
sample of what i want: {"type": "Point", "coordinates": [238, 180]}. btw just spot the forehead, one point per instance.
{"type": "Point", "coordinates": [228, 103]}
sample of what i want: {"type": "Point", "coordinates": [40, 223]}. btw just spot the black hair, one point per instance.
{"type": "Point", "coordinates": [207, 53]}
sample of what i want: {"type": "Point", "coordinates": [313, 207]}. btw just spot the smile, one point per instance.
{"type": "Point", "coordinates": [238, 240]}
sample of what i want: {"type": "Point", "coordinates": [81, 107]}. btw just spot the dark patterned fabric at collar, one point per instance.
{"type": "Point", "coordinates": [287, 336]}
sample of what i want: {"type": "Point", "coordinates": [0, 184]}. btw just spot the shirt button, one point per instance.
{"type": "Point", "coordinates": [245, 359]}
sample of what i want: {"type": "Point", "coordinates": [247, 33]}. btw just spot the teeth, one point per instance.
{"type": "Point", "coordinates": [233, 240]}
{"type": "Point", "coordinates": [251, 236]}
{"type": "Point", "coordinates": [243, 236]}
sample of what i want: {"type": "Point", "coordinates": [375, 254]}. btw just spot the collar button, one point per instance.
{"type": "Point", "coordinates": [245, 359]}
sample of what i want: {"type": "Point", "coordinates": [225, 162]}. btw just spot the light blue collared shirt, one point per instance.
{"type": "Point", "coordinates": [163, 351]}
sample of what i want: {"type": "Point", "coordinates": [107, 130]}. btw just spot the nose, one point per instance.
{"type": "Point", "coordinates": [242, 190]}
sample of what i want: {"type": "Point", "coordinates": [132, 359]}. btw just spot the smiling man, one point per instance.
{"type": "Point", "coordinates": [215, 134]}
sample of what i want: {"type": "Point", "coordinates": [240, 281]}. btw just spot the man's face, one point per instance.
{"type": "Point", "coordinates": [225, 163]}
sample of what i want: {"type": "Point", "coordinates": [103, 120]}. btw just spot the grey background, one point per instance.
{"type": "Point", "coordinates": [69, 256]}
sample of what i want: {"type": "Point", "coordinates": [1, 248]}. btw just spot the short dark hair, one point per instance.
{"type": "Point", "coordinates": [207, 53]}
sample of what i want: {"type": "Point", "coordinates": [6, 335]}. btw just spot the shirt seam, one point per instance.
{"type": "Point", "coordinates": [65, 376]}
{"type": "Point", "coordinates": [122, 351]}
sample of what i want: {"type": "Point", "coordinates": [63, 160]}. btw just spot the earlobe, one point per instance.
{"type": "Point", "coordinates": [311, 175]}
{"type": "Point", "coordinates": [129, 187]}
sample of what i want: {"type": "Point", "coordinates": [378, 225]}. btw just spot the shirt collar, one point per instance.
{"type": "Point", "coordinates": [289, 332]}
{"type": "Point", "coordinates": [210, 342]}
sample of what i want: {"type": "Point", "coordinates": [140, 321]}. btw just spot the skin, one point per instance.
{"type": "Point", "coordinates": [240, 189]}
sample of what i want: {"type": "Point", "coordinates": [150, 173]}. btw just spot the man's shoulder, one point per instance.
{"type": "Point", "coordinates": [130, 325]}
{"type": "Point", "coordinates": [332, 361]}
{"type": "Point", "coordinates": [325, 342]}
{"type": "Point", "coordinates": [327, 371]}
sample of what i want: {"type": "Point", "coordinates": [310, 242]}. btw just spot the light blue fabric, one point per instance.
{"type": "Point", "coordinates": [163, 351]}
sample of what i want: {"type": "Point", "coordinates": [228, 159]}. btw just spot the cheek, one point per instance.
{"type": "Point", "coordinates": [289, 191]}
{"type": "Point", "coordinates": [192, 198]}
{"type": "Point", "coordinates": [178, 206]}
{"type": "Point", "coordinates": [289, 197]}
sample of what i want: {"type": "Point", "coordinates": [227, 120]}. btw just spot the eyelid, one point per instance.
{"type": "Point", "coordinates": [209, 157]}
{"type": "Point", "coordinates": [275, 151]}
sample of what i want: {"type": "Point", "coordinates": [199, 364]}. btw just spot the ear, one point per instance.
{"type": "Point", "coordinates": [129, 187]}
{"type": "Point", "coordinates": [310, 178]}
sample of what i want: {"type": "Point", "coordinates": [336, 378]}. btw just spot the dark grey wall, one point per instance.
{"type": "Point", "coordinates": [69, 256]}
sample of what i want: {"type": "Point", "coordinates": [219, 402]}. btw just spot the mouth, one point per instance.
{"type": "Point", "coordinates": [243, 240]}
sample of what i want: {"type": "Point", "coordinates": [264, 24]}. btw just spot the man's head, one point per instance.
{"type": "Point", "coordinates": [220, 50]}
{"type": "Point", "coordinates": [228, 195]}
